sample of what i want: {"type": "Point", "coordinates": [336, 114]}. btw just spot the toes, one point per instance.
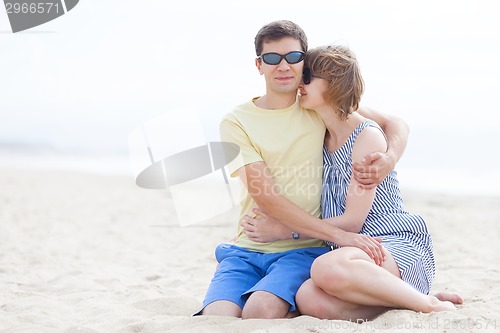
{"type": "Point", "coordinates": [450, 297]}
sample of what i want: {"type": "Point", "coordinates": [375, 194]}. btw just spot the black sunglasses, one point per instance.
{"type": "Point", "coordinates": [307, 74]}
{"type": "Point", "coordinates": [272, 58]}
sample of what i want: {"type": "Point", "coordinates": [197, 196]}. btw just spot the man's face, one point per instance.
{"type": "Point", "coordinates": [283, 77]}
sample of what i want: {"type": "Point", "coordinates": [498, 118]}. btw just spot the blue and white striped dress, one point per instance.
{"type": "Point", "coordinates": [404, 235]}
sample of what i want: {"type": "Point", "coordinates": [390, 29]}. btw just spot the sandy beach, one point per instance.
{"type": "Point", "coordinates": [94, 253]}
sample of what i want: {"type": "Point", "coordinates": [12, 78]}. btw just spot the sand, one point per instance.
{"type": "Point", "coordinates": [94, 253]}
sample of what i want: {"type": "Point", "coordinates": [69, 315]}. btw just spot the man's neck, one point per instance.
{"type": "Point", "coordinates": [276, 101]}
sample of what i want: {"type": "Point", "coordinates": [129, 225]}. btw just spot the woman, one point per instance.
{"type": "Point", "coordinates": [346, 283]}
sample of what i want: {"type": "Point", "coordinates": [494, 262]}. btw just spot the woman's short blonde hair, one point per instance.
{"type": "Point", "coordinates": [338, 65]}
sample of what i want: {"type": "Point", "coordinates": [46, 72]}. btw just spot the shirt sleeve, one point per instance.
{"type": "Point", "coordinates": [231, 130]}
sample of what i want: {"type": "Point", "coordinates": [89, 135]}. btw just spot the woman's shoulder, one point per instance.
{"type": "Point", "coordinates": [370, 139]}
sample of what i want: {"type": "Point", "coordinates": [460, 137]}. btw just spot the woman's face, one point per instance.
{"type": "Point", "coordinates": [311, 95]}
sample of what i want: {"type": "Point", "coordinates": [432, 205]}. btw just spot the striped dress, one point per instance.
{"type": "Point", "coordinates": [404, 235]}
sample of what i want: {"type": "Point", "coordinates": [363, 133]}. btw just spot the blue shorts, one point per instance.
{"type": "Point", "coordinates": [241, 272]}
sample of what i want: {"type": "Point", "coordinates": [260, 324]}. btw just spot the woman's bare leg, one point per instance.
{"type": "Point", "coordinates": [313, 301]}
{"type": "Point", "coordinates": [349, 274]}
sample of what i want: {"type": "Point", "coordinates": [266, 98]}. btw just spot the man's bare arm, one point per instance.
{"type": "Point", "coordinates": [260, 185]}
{"type": "Point", "coordinates": [376, 166]}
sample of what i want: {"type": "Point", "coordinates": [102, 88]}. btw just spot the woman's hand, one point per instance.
{"type": "Point", "coordinates": [264, 229]}
{"type": "Point", "coordinates": [371, 245]}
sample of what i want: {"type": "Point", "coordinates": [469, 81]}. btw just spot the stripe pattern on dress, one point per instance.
{"type": "Point", "coordinates": [404, 235]}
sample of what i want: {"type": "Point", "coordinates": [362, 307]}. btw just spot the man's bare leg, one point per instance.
{"type": "Point", "coordinates": [264, 305]}
{"type": "Point", "coordinates": [222, 308]}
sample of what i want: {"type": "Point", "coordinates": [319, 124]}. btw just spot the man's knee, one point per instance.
{"type": "Point", "coordinates": [222, 308]}
{"type": "Point", "coordinates": [307, 301]}
{"type": "Point", "coordinates": [264, 305]}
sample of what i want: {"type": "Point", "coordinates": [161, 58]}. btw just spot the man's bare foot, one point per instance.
{"type": "Point", "coordinates": [450, 297]}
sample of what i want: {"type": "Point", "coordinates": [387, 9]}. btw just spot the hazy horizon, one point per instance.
{"type": "Point", "coordinates": [83, 82]}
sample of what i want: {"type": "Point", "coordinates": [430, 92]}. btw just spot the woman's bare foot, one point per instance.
{"type": "Point", "coordinates": [450, 297]}
{"type": "Point", "coordinates": [439, 305]}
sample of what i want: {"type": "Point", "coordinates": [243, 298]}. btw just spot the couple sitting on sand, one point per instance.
{"type": "Point", "coordinates": [319, 155]}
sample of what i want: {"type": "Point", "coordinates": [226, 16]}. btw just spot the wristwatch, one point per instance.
{"type": "Point", "coordinates": [295, 235]}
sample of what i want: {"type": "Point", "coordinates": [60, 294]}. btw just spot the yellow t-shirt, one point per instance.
{"type": "Point", "coordinates": [290, 142]}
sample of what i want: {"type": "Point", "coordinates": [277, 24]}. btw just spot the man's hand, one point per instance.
{"type": "Point", "coordinates": [373, 169]}
{"type": "Point", "coordinates": [263, 228]}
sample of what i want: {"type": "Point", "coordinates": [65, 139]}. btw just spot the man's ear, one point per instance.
{"type": "Point", "coordinates": [258, 64]}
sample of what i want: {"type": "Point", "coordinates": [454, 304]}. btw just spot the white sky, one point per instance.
{"type": "Point", "coordinates": [95, 74]}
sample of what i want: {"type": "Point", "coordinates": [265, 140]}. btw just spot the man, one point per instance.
{"type": "Point", "coordinates": [280, 165]}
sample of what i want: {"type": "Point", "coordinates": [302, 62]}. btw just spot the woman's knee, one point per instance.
{"type": "Point", "coordinates": [331, 272]}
